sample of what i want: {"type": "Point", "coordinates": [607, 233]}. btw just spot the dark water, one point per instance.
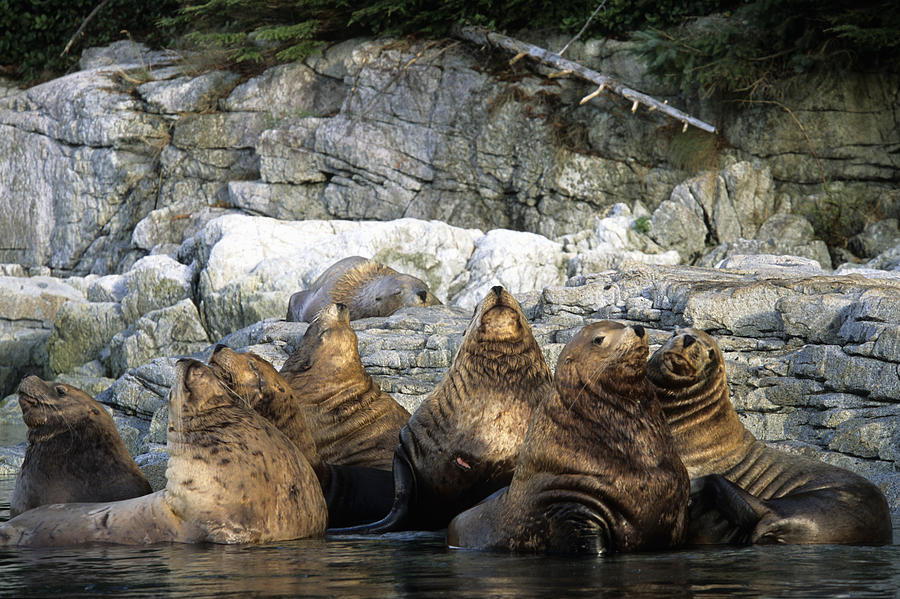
{"type": "Point", "coordinates": [419, 565]}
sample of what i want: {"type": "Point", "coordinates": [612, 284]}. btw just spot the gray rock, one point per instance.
{"type": "Point", "coordinates": [171, 331]}
{"type": "Point", "coordinates": [767, 264]}
{"type": "Point", "coordinates": [187, 94]}
{"type": "Point", "coordinates": [153, 464]}
{"type": "Point", "coordinates": [155, 282]}
{"type": "Point", "coordinates": [143, 390]}
{"type": "Point", "coordinates": [81, 331]}
{"type": "Point", "coordinates": [676, 226]}
{"type": "Point", "coordinates": [876, 238]}
{"type": "Point", "coordinates": [288, 90]}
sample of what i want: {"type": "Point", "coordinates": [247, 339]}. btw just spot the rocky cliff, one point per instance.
{"type": "Point", "coordinates": [129, 155]}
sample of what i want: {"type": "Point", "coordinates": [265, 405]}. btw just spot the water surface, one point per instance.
{"type": "Point", "coordinates": [419, 565]}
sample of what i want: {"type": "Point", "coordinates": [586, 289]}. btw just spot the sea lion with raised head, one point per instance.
{"type": "Point", "coordinates": [742, 490]}
{"type": "Point", "coordinates": [461, 444]}
{"type": "Point", "coordinates": [598, 471]}
{"type": "Point", "coordinates": [232, 477]}
{"type": "Point", "coordinates": [74, 453]}
{"type": "Point", "coordinates": [353, 422]}
{"type": "Point", "coordinates": [351, 492]}
{"type": "Point", "coordinates": [366, 287]}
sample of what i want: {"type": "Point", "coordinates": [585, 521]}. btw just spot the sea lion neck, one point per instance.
{"type": "Point", "coordinates": [708, 433]}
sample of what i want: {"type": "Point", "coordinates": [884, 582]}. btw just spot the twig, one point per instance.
{"type": "Point", "coordinates": [84, 24]}
{"type": "Point", "coordinates": [585, 26]}
{"type": "Point", "coordinates": [483, 36]}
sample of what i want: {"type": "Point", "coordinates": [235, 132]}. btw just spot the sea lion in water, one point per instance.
{"type": "Point", "coordinates": [353, 422]}
{"type": "Point", "coordinates": [232, 478]}
{"type": "Point", "coordinates": [598, 470]}
{"type": "Point", "coordinates": [74, 454]}
{"type": "Point", "coordinates": [763, 494]}
{"type": "Point", "coordinates": [366, 287]}
{"type": "Point", "coordinates": [349, 491]}
{"type": "Point", "coordinates": [461, 444]}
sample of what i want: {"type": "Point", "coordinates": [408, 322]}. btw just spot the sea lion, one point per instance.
{"type": "Point", "coordinates": [74, 450]}
{"type": "Point", "coordinates": [259, 384]}
{"type": "Point", "coordinates": [350, 492]}
{"type": "Point", "coordinates": [366, 287]}
{"type": "Point", "coordinates": [232, 478]}
{"type": "Point", "coordinates": [763, 494]}
{"type": "Point", "coordinates": [353, 422]}
{"type": "Point", "coordinates": [461, 444]}
{"type": "Point", "coordinates": [598, 471]}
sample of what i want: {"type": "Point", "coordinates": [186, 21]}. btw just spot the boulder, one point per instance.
{"type": "Point", "coordinates": [519, 261]}
{"type": "Point", "coordinates": [80, 331]}
{"type": "Point", "coordinates": [172, 331]}
{"type": "Point", "coordinates": [252, 265]}
{"type": "Point", "coordinates": [155, 282]}
{"type": "Point", "coordinates": [876, 238]}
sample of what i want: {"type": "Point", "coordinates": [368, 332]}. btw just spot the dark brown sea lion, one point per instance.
{"type": "Point", "coordinates": [353, 422]}
{"type": "Point", "coordinates": [763, 494]}
{"type": "Point", "coordinates": [74, 450]}
{"type": "Point", "coordinates": [232, 478]}
{"type": "Point", "coordinates": [366, 287]}
{"type": "Point", "coordinates": [461, 444]}
{"type": "Point", "coordinates": [598, 470]}
{"type": "Point", "coordinates": [350, 492]}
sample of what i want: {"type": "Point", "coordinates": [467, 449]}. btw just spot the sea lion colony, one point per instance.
{"type": "Point", "coordinates": [591, 460]}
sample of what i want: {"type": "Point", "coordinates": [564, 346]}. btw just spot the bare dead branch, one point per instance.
{"type": "Point", "coordinates": [481, 36]}
{"type": "Point", "coordinates": [84, 24]}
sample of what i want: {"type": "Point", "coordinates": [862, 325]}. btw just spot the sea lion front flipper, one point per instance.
{"type": "Point", "coordinates": [358, 494]}
{"type": "Point", "coordinates": [296, 305]}
{"type": "Point", "coordinates": [721, 512]}
{"type": "Point", "coordinates": [399, 517]}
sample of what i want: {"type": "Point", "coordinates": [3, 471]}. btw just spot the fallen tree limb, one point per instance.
{"type": "Point", "coordinates": [483, 36]}
{"type": "Point", "coordinates": [83, 25]}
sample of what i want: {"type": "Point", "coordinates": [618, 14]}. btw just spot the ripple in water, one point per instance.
{"type": "Point", "coordinates": [419, 565]}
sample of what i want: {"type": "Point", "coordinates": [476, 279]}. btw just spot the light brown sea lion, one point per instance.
{"type": "Point", "coordinates": [598, 471]}
{"type": "Point", "coordinates": [232, 478]}
{"type": "Point", "coordinates": [353, 422]}
{"type": "Point", "coordinates": [74, 450]}
{"type": "Point", "coordinates": [366, 287]}
{"type": "Point", "coordinates": [763, 494]}
{"type": "Point", "coordinates": [350, 492]}
{"type": "Point", "coordinates": [461, 444]}
{"type": "Point", "coordinates": [258, 383]}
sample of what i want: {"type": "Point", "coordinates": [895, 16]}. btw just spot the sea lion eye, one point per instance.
{"type": "Point", "coordinates": [423, 295]}
{"type": "Point", "coordinates": [60, 390]}
{"type": "Point", "coordinates": [598, 340]}
{"type": "Point", "coordinates": [397, 292]}
{"type": "Point", "coordinates": [712, 354]}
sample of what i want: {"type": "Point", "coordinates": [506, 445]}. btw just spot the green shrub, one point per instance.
{"type": "Point", "coordinates": [747, 51]}
{"type": "Point", "coordinates": [257, 31]}
{"type": "Point", "coordinates": [34, 33]}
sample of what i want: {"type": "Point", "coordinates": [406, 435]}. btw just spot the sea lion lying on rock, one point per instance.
{"type": "Point", "coordinates": [461, 444]}
{"type": "Point", "coordinates": [598, 470]}
{"type": "Point", "coordinates": [232, 478]}
{"type": "Point", "coordinates": [74, 454]}
{"type": "Point", "coordinates": [353, 422]}
{"type": "Point", "coordinates": [348, 490]}
{"type": "Point", "coordinates": [743, 490]}
{"type": "Point", "coordinates": [366, 287]}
